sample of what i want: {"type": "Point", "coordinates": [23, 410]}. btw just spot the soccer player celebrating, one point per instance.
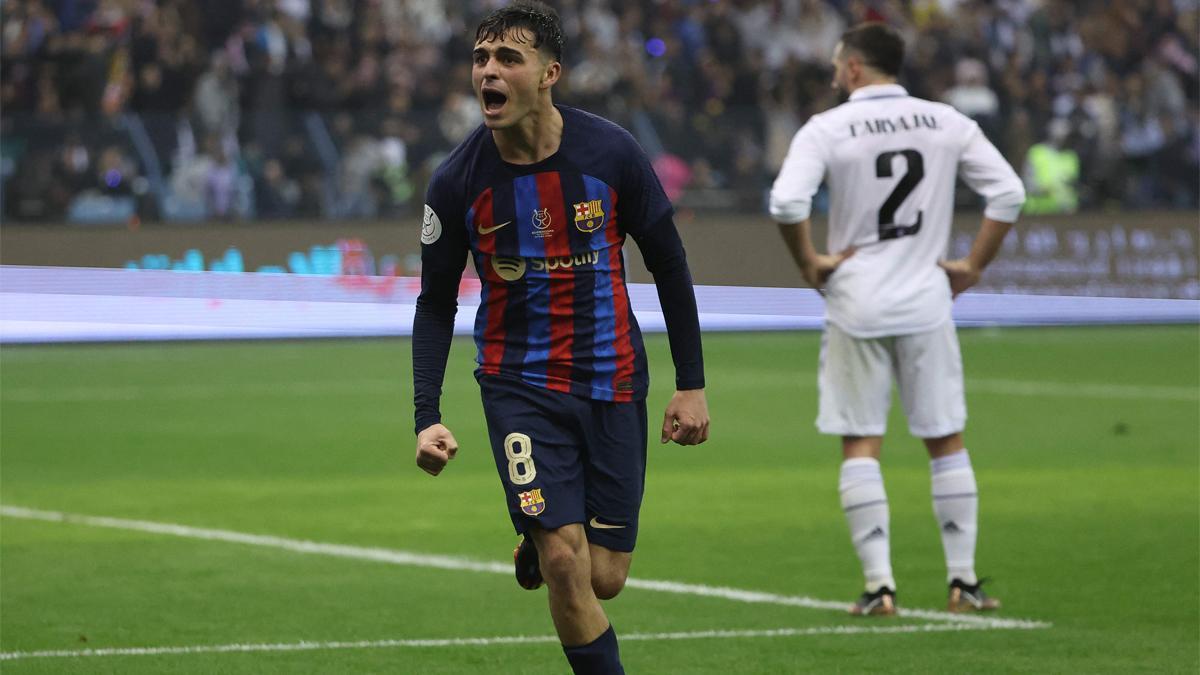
{"type": "Point", "coordinates": [542, 197]}
{"type": "Point", "coordinates": [890, 161]}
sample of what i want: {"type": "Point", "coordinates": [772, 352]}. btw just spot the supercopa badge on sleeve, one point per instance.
{"type": "Point", "coordinates": [431, 227]}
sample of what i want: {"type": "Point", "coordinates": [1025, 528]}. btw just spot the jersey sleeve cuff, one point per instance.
{"type": "Point", "coordinates": [790, 211]}
{"type": "Point", "coordinates": [1004, 213]}
{"type": "Point", "coordinates": [1006, 205]}
{"type": "Point", "coordinates": [426, 421]}
{"type": "Point", "coordinates": [688, 383]}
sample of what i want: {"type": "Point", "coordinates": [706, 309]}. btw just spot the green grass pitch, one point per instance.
{"type": "Point", "coordinates": [1085, 443]}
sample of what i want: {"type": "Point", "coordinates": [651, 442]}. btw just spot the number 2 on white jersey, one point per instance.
{"type": "Point", "coordinates": [888, 227]}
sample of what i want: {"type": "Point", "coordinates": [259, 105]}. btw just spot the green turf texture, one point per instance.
{"type": "Point", "coordinates": [1085, 444]}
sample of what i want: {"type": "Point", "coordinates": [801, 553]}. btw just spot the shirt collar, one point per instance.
{"type": "Point", "coordinates": [878, 91]}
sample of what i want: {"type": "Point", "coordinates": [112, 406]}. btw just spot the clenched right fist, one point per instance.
{"type": "Point", "coordinates": [435, 447]}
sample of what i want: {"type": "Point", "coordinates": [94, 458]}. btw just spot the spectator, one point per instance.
{"type": "Point", "coordinates": [1052, 172]}
{"type": "Point", "coordinates": [216, 98]}
{"type": "Point", "coordinates": [594, 77]}
{"type": "Point", "coordinates": [74, 165]}
{"type": "Point", "coordinates": [221, 182]}
{"type": "Point", "coordinates": [733, 74]}
{"type": "Point", "coordinates": [460, 114]}
{"type": "Point", "coordinates": [115, 173]}
{"type": "Point", "coordinates": [1142, 142]}
{"type": "Point", "coordinates": [972, 96]}
{"type": "Point", "coordinates": [276, 195]}
{"type": "Point", "coordinates": [396, 188]}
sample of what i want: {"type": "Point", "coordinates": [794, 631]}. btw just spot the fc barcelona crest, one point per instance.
{"type": "Point", "coordinates": [532, 503]}
{"type": "Point", "coordinates": [589, 216]}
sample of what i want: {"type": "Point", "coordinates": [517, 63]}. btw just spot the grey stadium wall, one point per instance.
{"type": "Point", "coordinates": [1136, 254]}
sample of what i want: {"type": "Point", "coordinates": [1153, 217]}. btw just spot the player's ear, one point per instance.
{"type": "Point", "coordinates": [853, 65]}
{"type": "Point", "coordinates": [550, 75]}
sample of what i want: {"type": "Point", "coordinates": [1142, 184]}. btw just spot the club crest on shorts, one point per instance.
{"type": "Point", "coordinates": [532, 503]}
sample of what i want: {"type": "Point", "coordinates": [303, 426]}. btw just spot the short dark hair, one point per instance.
{"type": "Point", "coordinates": [878, 43]}
{"type": "Point", "coordinates": [536, 17]}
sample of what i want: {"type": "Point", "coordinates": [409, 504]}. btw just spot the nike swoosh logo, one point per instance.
{"type": "Point", "coordinates": [604, 526]}
{"type": "Point", "coordinates": [489, 230]}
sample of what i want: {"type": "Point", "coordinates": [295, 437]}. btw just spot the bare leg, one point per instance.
{"type": "Point", "coordinates": [946, 445]}
{"type": "Point", "coordinates": [610, 569]}
{"type": "Point", "coordinates": [855, 447]}
{"type": "Point", "coordinates": [566, 566]}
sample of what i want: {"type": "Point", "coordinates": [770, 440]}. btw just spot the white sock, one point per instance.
{"type": "Point", "coordinates": [956, 506]}
{"type": "Point", "coordinates": [866, 508]}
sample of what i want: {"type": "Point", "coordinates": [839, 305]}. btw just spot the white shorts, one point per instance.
{"type": "Point", "coordinates": [855, 380]}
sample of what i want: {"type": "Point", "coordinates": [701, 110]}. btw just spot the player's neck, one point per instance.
{"type": "Point", "coordinates": [534, 138]}
{"type": "Point", "coordinates": [871, 81]}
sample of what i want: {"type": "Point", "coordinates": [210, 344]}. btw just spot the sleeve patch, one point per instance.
{"type": "Point", "coordinates": [431, 227]}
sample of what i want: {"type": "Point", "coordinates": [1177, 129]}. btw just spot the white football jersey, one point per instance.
{"type": "Point", "coordinates": [891, 161]}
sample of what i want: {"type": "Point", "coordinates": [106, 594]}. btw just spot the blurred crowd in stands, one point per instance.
{"type": "Point", "coordinates": [126, 110]}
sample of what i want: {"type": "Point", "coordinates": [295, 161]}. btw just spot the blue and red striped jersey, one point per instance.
{"type": "Point", "coordinates": [546, 242]}
{"type": "Point", "coordinates": [553, 309]}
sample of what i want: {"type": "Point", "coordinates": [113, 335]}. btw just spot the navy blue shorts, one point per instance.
{"type": "Point", "coordinates": [565, 459]}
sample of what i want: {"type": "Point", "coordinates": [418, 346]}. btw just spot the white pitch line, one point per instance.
{"type": "Point", "coordinates": [396, 557]}
{"type": "Point", "coordinates": [483, 642]}
{"type": "Point", "coordinates": [761, 597]}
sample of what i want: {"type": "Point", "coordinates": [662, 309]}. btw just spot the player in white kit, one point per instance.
{"type": "Point", "coordinates": [890, 162]}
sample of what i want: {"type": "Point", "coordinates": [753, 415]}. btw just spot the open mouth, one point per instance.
{"type": "Point", "coordinates": [493, 101]}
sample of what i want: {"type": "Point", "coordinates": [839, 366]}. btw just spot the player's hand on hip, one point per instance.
{"type": "Point", "coordinates": [962, 273]}
{"type": "Point", "coordinates": [822, 266]}
{"type": "Point", "coordinates": [686, 419]}
{"type": "Point", "coordinates": [435, 447]}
